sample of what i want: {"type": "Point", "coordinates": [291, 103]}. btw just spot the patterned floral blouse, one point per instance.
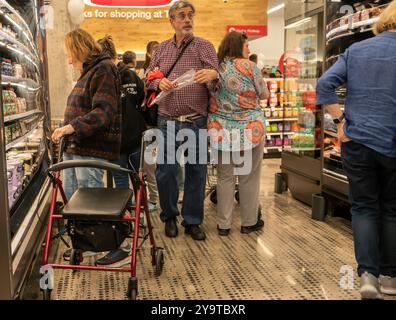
{"type": "Point", "coordinates": [236, 121]}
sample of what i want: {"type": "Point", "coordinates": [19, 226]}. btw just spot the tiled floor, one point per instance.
{"type": "Point", "coordinates": [294, 257]}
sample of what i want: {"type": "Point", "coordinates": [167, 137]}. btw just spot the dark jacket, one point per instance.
{"type": "Point", "coordinates": [94, 111]}
{"type": "Point", "coordinates": [132, 94]}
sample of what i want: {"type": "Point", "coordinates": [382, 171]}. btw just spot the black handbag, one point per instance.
{"type": "Point", "coordinates": [150, 111]}
{"type": "Point", "coordinates": [98, 236]}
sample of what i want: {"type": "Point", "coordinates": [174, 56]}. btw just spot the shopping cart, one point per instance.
{"type": "Point", "coordinates": [211, 180]}
{"type": "Point", "coordinates": [91, 213]}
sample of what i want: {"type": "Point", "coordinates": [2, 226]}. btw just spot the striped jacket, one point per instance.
{"type": "Point", "coordinates": [94, 111]}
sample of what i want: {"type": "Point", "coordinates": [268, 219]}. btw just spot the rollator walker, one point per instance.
{"type": "Point", "coordinates": [91, 213]}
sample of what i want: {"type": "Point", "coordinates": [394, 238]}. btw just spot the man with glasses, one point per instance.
{"type": "Point", "coordinates": [183, 109]}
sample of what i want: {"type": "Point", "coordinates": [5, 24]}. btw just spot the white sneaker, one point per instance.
{"type": "Point", "coordinates": [369, 287]}
{"type": "Point", "coordinates": [387, 285]}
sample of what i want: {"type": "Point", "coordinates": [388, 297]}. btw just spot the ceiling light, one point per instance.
{"type": "Point", "coordinates": [276, 8]}
{"type": "Point", "coordinates": [297, 23]}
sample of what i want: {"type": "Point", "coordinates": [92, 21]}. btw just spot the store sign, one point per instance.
{"type": "Point", "coordinates": [130, 3]}
{"type": "Point", "coordinates": [250, 31]}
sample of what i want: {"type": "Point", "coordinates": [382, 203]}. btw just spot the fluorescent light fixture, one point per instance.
{"type": "Point", "coordinates": [14, 84]}
{"type": "Point", "coordinates": [297, 23]}
{"type": "Point", "coordinates": [276, 8]}
{"type": "Point", "coordinates": [13, 22]}
{"type": "Point", "coordinates": [15, 50]}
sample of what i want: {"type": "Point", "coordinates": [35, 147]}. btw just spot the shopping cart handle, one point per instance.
{"type": "Point", "coordinates": [87, 164]}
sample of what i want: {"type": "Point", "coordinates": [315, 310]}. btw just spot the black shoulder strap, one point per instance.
{"type": "Point", "coordinates": [178, 58]}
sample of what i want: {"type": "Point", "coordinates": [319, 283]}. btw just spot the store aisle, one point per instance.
{"type": "Point", "coordinates": [294, 257]}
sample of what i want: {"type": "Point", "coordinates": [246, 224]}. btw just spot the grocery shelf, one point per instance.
{"type": "Point", "coordinates": [20, 45]}
{"type": "Point", "coordinates": [22, 138]}
{"type": "Point", "coordinates": [20, 115]}
{"type": "Point", "coordinates": [11, 79]}
{"type": "Point", "coordinates": [14, 12]}
{"type": "Point", "coordinates": [335, 174]}
{"type": "Point", "coordinates": [346, 27]}
{"type": "Point", "coordinates": [279, 133]}
{"type": "Point", "coordinates": [304, 149]}
{"type": "Point", "coordinates": [280, 119]}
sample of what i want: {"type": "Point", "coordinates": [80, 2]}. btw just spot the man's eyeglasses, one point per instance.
{"type": "Point", "coordinates": [183, 16]}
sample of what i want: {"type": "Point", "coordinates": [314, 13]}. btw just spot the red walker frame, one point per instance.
{"type": "Point", "coordinates": [140, 198]}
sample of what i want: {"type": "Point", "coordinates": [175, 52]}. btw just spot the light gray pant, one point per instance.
{"type": "Point", "coordinates": [149, 170]}
{"type": "Point", "coordinates": [249, 189]}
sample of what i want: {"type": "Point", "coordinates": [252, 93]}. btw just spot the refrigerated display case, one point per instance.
{"type": "Point", "coordinates": [303, 65]}
{"type": "Point", "coordinates": [344, 26]}
{"type": "Point", "coordinates": [279, 123]}
{"type": "Point", "coordinates": [24, 152]}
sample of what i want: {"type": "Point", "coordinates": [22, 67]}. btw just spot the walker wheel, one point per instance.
{"type": "Point", "coordinates": [237, 196]}
{"type": "Point", "coordinates": [213, 197]}
{"type": "Point", "coordinates": [133, 294]}
{"type": "Point", "coordinates": [46, 294]}
{"type": "Point", "coordinates": [76, 257]}
{"type": "Point", "coordinates": [132, 289]}
{"type": "Point", "coordinates": [159, 262]}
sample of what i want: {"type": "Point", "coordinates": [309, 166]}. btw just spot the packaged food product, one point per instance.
{"type": "Point", "coordinates": [280, 113]}
{"type": "Point", "coordinates": [280, 126]}
{"type": "Point", "coordinates": [274, 127]}
{"type": "Point", "coordinates": [272, 86]}
{"type": "Point", "coordinates": [288, 113]}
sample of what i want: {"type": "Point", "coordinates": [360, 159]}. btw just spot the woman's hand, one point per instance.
{"type": "Point", "coordinates": [342, 137]}
{"type": "Point", "coordinates": [61, 132]}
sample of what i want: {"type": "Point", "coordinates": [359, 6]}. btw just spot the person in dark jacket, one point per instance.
{"type": "Point", "coordinates": [133, 126]}
{"type": "Point", "coordinates": [93, 115]}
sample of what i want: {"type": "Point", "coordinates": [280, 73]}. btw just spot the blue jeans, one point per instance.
{"type": "Point", "coordinates": [167, 173]}
{"type": "Point", "coordinates": [75, 178]}
{"type": "Point", "coordinates": [372, 185]}
{"type": "Point", "coordinates": [132, 161]}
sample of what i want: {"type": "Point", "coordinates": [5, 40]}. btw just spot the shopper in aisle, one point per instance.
{"type": "Point", "coordinates": [183, 109]}
{"type": "Point", "coordinates": [92, 116]}
{"type": "Point", "coordinates": [254, 58]}
{"type": "Point", "coordinates": [367, 131]}
{"type": "Point", "coordinates": [133, 124]}
{"type": "Point", "coordinates": [150, 168]}
{"type": "Point", "coordinates": [152, 46]}
{"type": "Point", "coordinates": [235, 111]}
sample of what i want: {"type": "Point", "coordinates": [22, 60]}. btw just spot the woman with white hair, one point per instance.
{"type": "Point", "coordinates": [367, 132]}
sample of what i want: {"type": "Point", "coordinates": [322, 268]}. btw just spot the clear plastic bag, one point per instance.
{"type": "Point", "coordinates": [181, 82]}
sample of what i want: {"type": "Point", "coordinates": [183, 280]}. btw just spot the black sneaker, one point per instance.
{"type": "Point", "coordinates": [115, 259]}
{"type": "Point", "coordinates": [195, 231]}
{"type": "Point", "coordinates": [258, 226]}
{"type": "Point", "coordinates": [67, 254]}
{"type": "Point", "coordinates": [223, 232]}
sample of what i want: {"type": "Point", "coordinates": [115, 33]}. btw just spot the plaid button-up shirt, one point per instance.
{"type": "Point", "coordinates": [200, 54]}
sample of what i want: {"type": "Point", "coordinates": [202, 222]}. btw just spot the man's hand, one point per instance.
{"type": "Point", "coordinates": [165, 84]}
{"type": "Point", "coordinates": [341, 134]}
{"type": "Point", "coordinates": [60, 132]}
{"type": "Point", "coordinates": [205, 76]}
